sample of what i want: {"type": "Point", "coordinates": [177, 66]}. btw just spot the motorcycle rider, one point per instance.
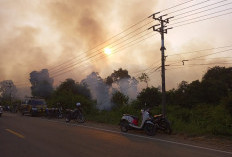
{"type": "Point", "coordinates": [78, 105]}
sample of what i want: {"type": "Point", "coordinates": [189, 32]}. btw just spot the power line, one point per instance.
{"type": "Point", "coordinates": [176, 6]}
{"type": "Point", "coordinates": [196, 51]}
{"type": "Point", "coordinates": [201, 16]}
{"type": "Point", "coordinates": [188, 7]}
{"type": "Point", "coordinates": [199, 11]}
{"type": "Point", "coordinates": [194, 58]}
{"type": "Point", "coordinates": [128, 29]}
{"type": "Point", "coordinates": [99, 51]}
{"type": "Point", "coordinates": [202, 20]}
{"type": "Point", "coordinates": [123, 47]}
{"type": "Point", "coordinates": [87, 59]}
{"type": "Point", "coordinates": [84, 53]}
{"type": "Point", "coordinates": [199, 64]}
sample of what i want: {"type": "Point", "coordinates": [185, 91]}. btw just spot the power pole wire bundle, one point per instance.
{"type": "Point", "coordinates": [162, 29]}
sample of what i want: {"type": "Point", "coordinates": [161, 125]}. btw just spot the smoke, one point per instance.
{"type": "Point", "coordinates": [35, 35]}
{"type": "Point", "coordinates": [7, 89]}
{"type": "Point", "coordinates": [99, 90]}
{"type": "Point", "coordinates": [41, 83]}
{"type": "Point", "coordinates": [127, 86]}
{"type": "Point", "coordinates": [102, 92]}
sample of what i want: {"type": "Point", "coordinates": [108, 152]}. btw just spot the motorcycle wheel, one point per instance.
{"type": "Point", "coordinates": [124, 126]}
{"type": "Point", "coordinates": [67, 119]}
{"type": "Point", "coordinates": [150, 129]}
{"type": "Point", "coordinates": [167, 127]}
{"type": "Point", "coordinates": [80, 118]}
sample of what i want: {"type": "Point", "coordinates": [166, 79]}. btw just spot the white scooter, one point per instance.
{"type": "Point", "coordinates": [129, 122]}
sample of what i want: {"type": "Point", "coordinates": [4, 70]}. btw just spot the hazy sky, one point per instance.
{"type": "Point", "coordinates": [62, 36]}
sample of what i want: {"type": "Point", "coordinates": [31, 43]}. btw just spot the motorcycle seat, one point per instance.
{"type": "Point", "coordinates": [131, 116]}
{"type": "Point", "coordinates": [159, 115]}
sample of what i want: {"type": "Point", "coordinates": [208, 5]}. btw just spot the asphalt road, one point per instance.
{"type": "Point", "coordinates": [22, 136]}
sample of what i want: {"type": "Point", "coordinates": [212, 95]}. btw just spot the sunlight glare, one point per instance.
{"type": "Point", "coordinates": [107, 51]}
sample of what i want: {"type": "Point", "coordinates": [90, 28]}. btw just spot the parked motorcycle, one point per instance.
{"type": "Point", "coordinates": [162, 123]}
{"type": "Point", "coordinates": [76, 115]}
{"type": "Point", "coordinates": [60, 113]}
{"type": "Point", "coordinates": [1, 110]}
{"type": "Point", "coordinates": [129, 122]}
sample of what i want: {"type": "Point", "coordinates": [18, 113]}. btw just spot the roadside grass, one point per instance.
{"type": "Point", "coordinates": [201, 120]}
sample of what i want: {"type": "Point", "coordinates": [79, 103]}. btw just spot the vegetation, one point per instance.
{"type": "Point", "coordinates": [119, 99]}
{"type": "Point", "coordinates": [69, 93]}
{"type": "Point", "coordinates": [197, 108]}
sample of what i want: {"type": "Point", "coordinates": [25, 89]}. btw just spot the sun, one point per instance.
{"type": "Point", "coordinates": [107, 51]}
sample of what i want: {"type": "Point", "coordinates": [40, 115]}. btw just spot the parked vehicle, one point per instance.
{"type": "Point", "coordinates": [1, 110]}
{"type": "Point", "coordinates": [129, 122]}
{"type": "Point", "coordinates": [60, 113]}
{"type": "Point", "coordinates": [54, 113]}
{"type": "Point", "coordinates": [162, 123]}
{"type": "Point", "coordinates": [33, 106]}
{"type": "Point", "coordinates": [75, 114]}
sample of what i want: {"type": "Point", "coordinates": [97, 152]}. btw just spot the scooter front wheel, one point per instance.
{"type": "Point", "coordinates": [124, 126]}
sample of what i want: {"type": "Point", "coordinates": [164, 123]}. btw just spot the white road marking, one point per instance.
{"type": "Point", "coordinates": [145, 137]}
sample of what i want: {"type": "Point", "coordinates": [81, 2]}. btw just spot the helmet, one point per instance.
{"type": "Point", "coordinates": [78, 104]}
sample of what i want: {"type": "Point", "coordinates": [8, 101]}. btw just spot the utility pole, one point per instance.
{"type": "Point", "coordinates": [10, 86]}
{"type": "Point", "coordinates": [162, 29]}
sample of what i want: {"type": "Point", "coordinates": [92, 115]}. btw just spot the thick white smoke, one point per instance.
{"type": "Point", "coordinates": [102, 92]}
{"type": "Point", "coordinates": [99, 90]}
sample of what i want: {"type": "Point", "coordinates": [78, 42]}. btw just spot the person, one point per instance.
{"type": "Point", "coordinates": [78, 105]}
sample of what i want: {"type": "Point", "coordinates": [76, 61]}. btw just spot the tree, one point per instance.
{"type": "Point", "coordinates": [70, 86]}
{"type": "Point", "coordinates": [217, 83]}
{"type": "Point", "coordinates": [144, 78]}
{"type": "Point", "coordinates": [117, 75]}
{"type": "Point", "coordinates": [109, 80]}
{"type": "Point", "coordinates": [150, 96]}
{"type": "Point", "coordinates": [68, 93]}
{"type": "Point", "coordinates": [227, 101]}
{"type": "Point", "coordinates": [119, 99]}
{"type": "Point", "coordinates": [7, 91]}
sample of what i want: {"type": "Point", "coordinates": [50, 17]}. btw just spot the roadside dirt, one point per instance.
{"type": "Point", "coordinates": [218, 143]}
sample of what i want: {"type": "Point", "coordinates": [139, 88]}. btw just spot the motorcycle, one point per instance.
{"type": "Point", "coordinates": [76, 115]}
{"type": "Point", "coordinates": [129, 122]}
{"type": "Point", "coordinates": [162, 123]}
{"type": "Point", "coordinates": [1, 110]}
{"type": "Point", "coordinates": [60, 113]}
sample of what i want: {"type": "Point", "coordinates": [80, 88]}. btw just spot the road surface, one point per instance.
{"type": "Point", "coordinates": [23, 136]}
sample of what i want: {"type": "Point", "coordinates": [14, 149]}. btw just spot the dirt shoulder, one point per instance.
{"type": "Point", "coordinates": [212, 142]}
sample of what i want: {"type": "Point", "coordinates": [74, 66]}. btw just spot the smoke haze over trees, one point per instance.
{"type": "Point", "coordinates": [8, 91]}
{"type": "Point", "coordinates": [41, 83]}
{"type": "Point", "coordinates": [102, 89]}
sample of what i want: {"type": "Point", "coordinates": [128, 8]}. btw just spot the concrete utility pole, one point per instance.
{"type": "Point", "coordinates": [10, 86]}
{"type": "Point", "coordinates": [162, 30]}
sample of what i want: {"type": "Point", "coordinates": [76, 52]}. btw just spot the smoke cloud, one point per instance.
{"type": "Point", "coordinates": [42, 34]}
{"type": "Point", "coordinates": [102, 92]}
{"type": "Point", "coordinates": [41, 83]}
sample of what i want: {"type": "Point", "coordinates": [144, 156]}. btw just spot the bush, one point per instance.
{"type": "Point", "coordinates": [227, 102]}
